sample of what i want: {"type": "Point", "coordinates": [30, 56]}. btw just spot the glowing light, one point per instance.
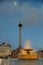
{"type": "Point", "coordinates": [23, 52]}
{"type": "Point", "coordinates": [15, 3]}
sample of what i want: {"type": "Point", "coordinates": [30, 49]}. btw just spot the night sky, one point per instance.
{"type": "Point", "coordinates": [30, 12]}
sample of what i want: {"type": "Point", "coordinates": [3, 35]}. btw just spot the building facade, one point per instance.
{"type": "Point", "coordinates": [5, 50]}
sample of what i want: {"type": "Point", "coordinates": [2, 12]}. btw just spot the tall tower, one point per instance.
{"type": "Point", "coordinates": [20, 35]}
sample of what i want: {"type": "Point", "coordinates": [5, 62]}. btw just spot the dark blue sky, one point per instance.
{"type": "Point", "coordinates": [30, 12]}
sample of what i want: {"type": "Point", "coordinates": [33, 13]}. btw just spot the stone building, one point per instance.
{"type": "Point", "coordinates": [5, 50]}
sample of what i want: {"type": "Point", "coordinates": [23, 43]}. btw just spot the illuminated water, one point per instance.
{"type": "Point", "coordinates": [21, 62]}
